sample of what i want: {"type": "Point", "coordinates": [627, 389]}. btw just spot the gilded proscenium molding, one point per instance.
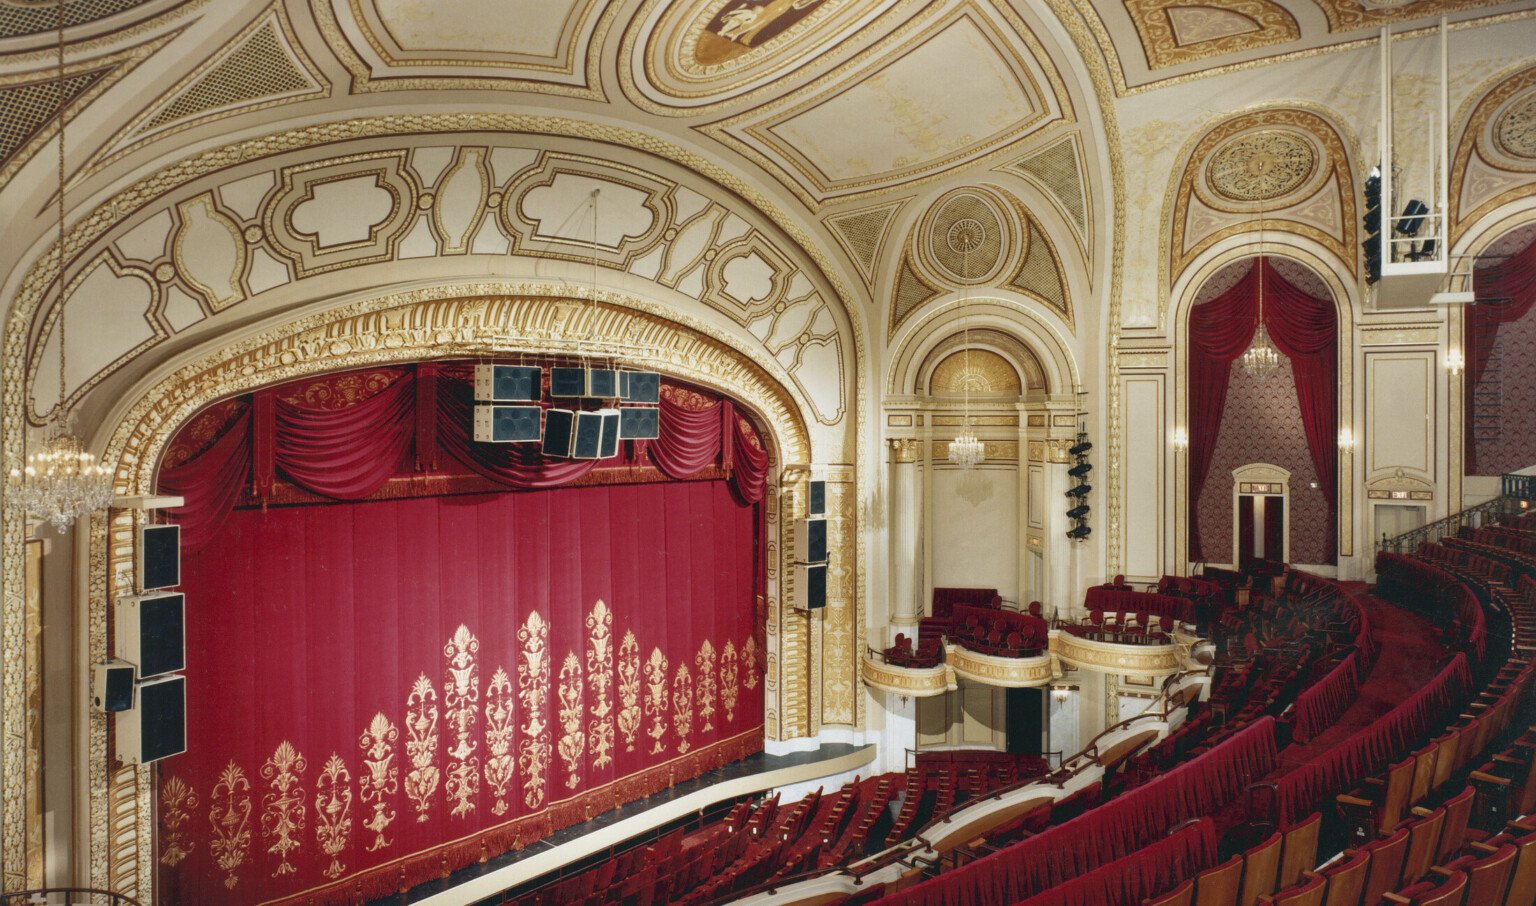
{"type": "Point", "coordinates": [1284, 199]}
{"type": "Point", "coordinates": [1508, 174]}
{"type": "Point", "coordinates": [1113, 658]}
{"type": "Point", "coordinates": [523, 75]}
{"type": "Point", "coordinates": [920, 682]}
{"type": "Point", "coordinates": [794, 321]}
{"type": "Point", "coordinates": [408, 327]}
{"type": "Point", "coordinates": [1344, 304]}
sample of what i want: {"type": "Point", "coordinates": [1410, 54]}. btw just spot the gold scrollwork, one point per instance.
{"type": "Point", "coordinates": [283, 816]}
{"type": "Point", "coordinates": [573, 742]}
{"type": "Point", "coordinates": [500, 765]}
{"type": "Point", "coordinates": [533, 692]}
{"type": "Point", "coordinates": [600, 680]}
{"type": "Point", "coordinates": [333, 813]}
{"type": "Point", "coordinates": [383, 777]}
{"type": "Point", "coordinates": [421, 745]}
{"type": "Point", "coordinates": [461, 692]}
{"type": "Point", "coordinates": [230, 814]}
{"type": "Point", "coordinates": [682, 707]}
{"type": "Point", "coordinates": [177, 800]}
{"type": "Point", "coordinates": [749, 662]}
{"type": "Point", "coordinates": [629, 689]}
{"type": "Point", "coordinates": [707, 685]}
{"type": "Point", "coordinates": [728, 680]}
{"type": "Point", "coordinates": [656, 697]}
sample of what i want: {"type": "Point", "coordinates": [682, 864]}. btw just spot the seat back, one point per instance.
{"type": "Point", "coordinates": [1183, 895]}
{"type": "Point", "coordinates": [1445, 757]}
{"type": "Point", "coordinates": [1451, 893]}
{"type": "Point", "coordinates": [1423, 843]}
{"type": "Point", "coordinates": [1386, 866]}
{"type": "Point", "coordinates": [1458, 810]}
{"type": "Point", "coordinates": [1394, 799]}
{"type": "Point", "coordinates": [1488, 878]}
{"type": "Point", "coordinates": [1522, 881]}
{"type": "Point", "coordinates": [1260, 865]}
{"type": "Point", "coordinates": [1299, 852]}
{"type": "Point", "coordinates": [1308, 894]}
{"type": "Point", "coordinates": [1423, 773]}
{"type": "Point", "coordinates": [1346, 880]}
{"type": "Point", "coordinates": [1219, 886]}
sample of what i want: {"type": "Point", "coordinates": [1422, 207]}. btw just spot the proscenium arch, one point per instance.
{"type": "Point", "coordinates": [411, 326]}
{"type": "Point", "coordinates": [1339, 283]}
{"type": "Point", "coordinates": [1008, 313]}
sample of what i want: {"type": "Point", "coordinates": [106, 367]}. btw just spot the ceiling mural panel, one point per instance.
{"type": "Point", "coordinates": [1176, 32]}
{"type": "Point", "coordinates": [179, 263]}
{"type": "Point", "coordinates": [531, 45]}
{"type": "Point", "coordinates": [683, 56]}
{"type": "Point", "coordinates": [902, 113]}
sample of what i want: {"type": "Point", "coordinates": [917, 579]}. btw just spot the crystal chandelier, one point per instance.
{"type": "Point", "coordinates": [966, 449]}
{"type": "Point", "coordinates": [60, 481]}
{"type": "Point", "coordinates": [1261, 358]}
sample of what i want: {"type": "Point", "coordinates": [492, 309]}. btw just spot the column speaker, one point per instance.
{"type": "Point", "coordinates": [508, 383]}
{"type": "Point", "coordinates": [559, 433]}
{"type": "Point", "coordinates": [811, 540]}
{"type": "Point", "coordinates": [150, 632]}
{"type": "Point", "coordinates": [158, 558]}
{"type": "Point", "coordinates": [816, 499]}
{"type": "Point", "coordinates": [810, 586]}
{"type": "Point", "coordinates": [157, 727]}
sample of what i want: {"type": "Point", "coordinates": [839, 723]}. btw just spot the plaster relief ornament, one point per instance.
{"type": "Point", "coordinates": [740, 25]}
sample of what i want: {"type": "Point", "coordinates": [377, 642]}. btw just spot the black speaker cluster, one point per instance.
{"type": "Point", "coordinates": [1078, 495]}
{"type": "Point", "coordinates": [569, 432]}
{"type": "Point", "coordinates": [811, 550]}
{"type": "Point", "coordinates": [145, 685]}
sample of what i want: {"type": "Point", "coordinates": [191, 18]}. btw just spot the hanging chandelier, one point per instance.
{"type": "Point", "coordinates": [966, 449]}
{"type": "Point", "coordinates": [1261, 358]}
{"type": "Point", "coordinates": [60, 480]}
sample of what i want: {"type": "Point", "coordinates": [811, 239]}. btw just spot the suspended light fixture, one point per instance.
{"type": "Point", "coordinates": [1261, 358]}
{"type": "Point", "coordinates": [966, 449]}
{"type": "Point", "coordinates": [60, 481]}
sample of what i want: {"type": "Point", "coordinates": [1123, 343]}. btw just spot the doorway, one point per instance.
{"type": "Point", "coordinates": [1260, 528]}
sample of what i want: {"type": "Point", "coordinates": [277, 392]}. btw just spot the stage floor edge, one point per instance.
{"type": "Point", "coordinates": [603, 831]}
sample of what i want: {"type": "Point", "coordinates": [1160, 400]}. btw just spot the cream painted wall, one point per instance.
{"type": "Point", "coordinates": [975, 528]}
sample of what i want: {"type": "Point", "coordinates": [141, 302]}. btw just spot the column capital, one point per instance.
{"type": "Point", "coordinates": [903, 449]}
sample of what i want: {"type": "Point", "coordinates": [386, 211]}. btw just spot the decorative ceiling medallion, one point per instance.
{"type": "Point", "coordinates": [966, 237]}
{"type": "Point", "coordinates": [1515, 130]}
{"type": "Point", "coordinates": [1261, 166]}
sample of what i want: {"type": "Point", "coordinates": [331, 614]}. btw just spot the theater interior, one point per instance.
{"type": "Point", "coordinates": [543, 452]}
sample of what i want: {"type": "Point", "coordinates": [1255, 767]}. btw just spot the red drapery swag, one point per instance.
{"type": "Point", "coordinates": [382, 692]}
{"type": "Point", "coordinates": [1505, 292]}
{"type": "Point", "coordinates": [1304, 328]}
{"type": "Point", "coordinates": [349, 453]}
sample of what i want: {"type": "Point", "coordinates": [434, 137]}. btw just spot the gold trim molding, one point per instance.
{"type": "Point", "coordinates": [1112, 658]}
{"type": "Point", "coordinates": [921, 682]}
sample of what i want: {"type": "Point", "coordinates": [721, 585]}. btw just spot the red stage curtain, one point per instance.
{"type": "Point", "coordinates": [382, 692]}
{"type": "Point", "coordinates": [1301, 326]}
{"type": "Point", "coordinates": [349, 452]}
{"type": "Point", "coordinates": [1505, 292]}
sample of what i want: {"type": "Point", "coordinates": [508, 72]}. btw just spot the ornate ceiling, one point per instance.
{"type": "Point", "coordinates": [803, 168]}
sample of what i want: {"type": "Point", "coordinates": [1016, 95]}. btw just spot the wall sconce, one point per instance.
{"type": "Point", "coordinates": [1454, 362]}
{"type": "Point", "coordinates": [1346, 440]}
{"type": "Point", "coordinates": [1180, 440]}
{"type": "Point", "coordinates": [1062, 693]}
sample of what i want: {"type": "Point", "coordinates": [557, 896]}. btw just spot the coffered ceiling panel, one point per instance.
{"type": "Point", "coordinates": [540, 45]}
{"type": "Point", "coordinates": [947, 94]}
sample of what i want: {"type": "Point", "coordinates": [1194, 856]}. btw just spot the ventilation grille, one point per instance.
{"type": "Point", "coordinates": [911, 292]}
{"type": "Point", "coordinates": [18, 19]}
{"type": "Point", "coordinates": [1056, 167]}
{"type": "Point", "coordinates": [1039, 275]}
{"type": "Point", "coordinates": [24, 110]}
{"type": "Point", "coordinates": [862, 232]}
{"type": "Point", "coordinates": [261, 67]}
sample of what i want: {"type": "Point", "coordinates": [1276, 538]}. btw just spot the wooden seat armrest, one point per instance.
{"type": "Point", "coordinates": [1483, 847]}
{"type": "Point", "coordinates": [1375, 781]}
{"type": "Point", "coordinates": [1421, 812]}
{"type": "Point", "coordinates": [1505, 759]}
{"type": "Point", "coordinates": [1442, 872]}
{"type": "Point", "coordinates": [1521, 826]}
{"type": "Point", "coordinates": [1344, 799]}
{"type": "Point", "coordinates": [1489, 778]}
{"type": "Point", "coordinates": [1394, 898]}
{"type": "Point", "coordinates": [1309, 874]}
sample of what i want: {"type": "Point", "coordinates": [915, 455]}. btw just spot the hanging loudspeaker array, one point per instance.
{"type": "Point", "coordinates": [1080, 471]}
